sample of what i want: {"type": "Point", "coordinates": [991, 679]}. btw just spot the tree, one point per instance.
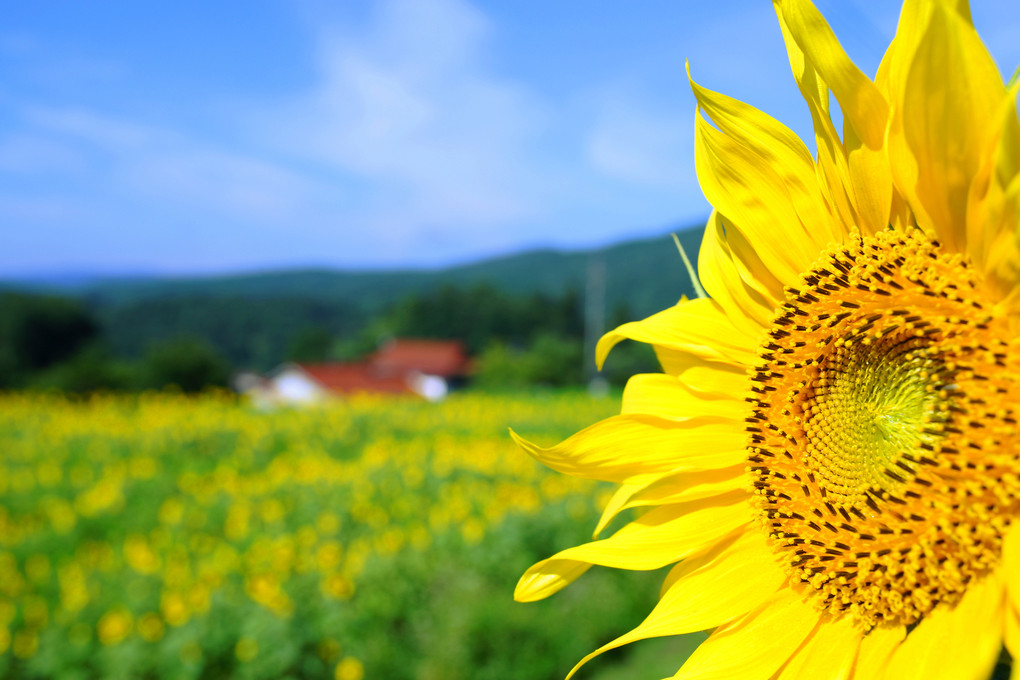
{"type": "Point", "coordinates": [89, 370]}
{"type": "Point", "coordinates": [188, 362]}
{"type": "Point", "coordinates": [37, 332]}
{"type": "Point", "coordinates": [311, 344]}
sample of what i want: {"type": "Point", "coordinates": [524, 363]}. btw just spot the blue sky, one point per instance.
{"type": "Point", "coordinates": [204, 137]}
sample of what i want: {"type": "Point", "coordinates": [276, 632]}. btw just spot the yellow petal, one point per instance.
{"type": "Point", "coordinates": [666, 396]}
{"type": "Point", "coordinates": [660, 537]}
{"type": "Point", "coordinates": [864, 108]}
{"type": "Point", "coordinates": [951, 91]}
{"type": "Point", "coordinates": [875, 650]}
{"type": "Point", "coordinates": [1011, 632]}
{"type": "Point", "coordinates": [955, 643]}
{"type": "Point", "coordinates": [998, 169]}
{"type": "Point", "coordinates": [746, 299]}
{"type": "Point", "coordinates": [779, 148]}
{"type": "Point", "coordinates": [696, 327]}
{"type": "Point", "coordinates": [622, 447]}
{"type": "Point", "coordinates": [712, 378]}
{"type": "Point", "coordinates": [1011, 564]}
{"type": "Point", "coordinates": [547, 578]}
{"type": "Point", "coordinates": [755, 646]}
{"type": "Point", "coordinates": [828, 654]}
{"type": "Point", "coordinates": [833, 169]}
{"type": "Point", "coordinates": [708, 591]}
{"type": "Point", "coordinates": [751, 197]}
{"type": "Point", "coordinates": [677, 487]}
{"type": "Point", "coordinates": [862, 104]}
{"type": "Point", "coordinates": [994, 208]}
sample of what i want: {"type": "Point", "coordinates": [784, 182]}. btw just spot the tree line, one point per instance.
{"type": "Point", "coordinates": [194, 342]}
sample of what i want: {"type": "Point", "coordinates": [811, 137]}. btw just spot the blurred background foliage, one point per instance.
{"type": "Point", "coordinates": [61, 343]}
{"type": "Point", "coordinates": [521, 316]}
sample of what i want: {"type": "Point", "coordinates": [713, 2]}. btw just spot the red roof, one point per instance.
{"type": "Point", "coordinates": [351, 378]}
{"type": "Point", "coordinates": [444, 358]}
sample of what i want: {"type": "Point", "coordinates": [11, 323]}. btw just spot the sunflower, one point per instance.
{"type": "Point", "coordinates": [830, 459]}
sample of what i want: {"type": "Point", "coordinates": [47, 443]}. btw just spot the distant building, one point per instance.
{"type": "Point", "coordinates": [427, 368]}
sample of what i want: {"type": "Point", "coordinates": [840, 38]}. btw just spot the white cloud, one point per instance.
{"type": "Point", "coordinates": [410, 106]}
{"type": "Point", "coordinates": [163, 165]}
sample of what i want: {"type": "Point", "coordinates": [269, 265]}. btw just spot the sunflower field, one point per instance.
{"type": "Point", "coordinates": [179, 537]}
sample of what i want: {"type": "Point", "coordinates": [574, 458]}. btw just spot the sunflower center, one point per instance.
{"type": "Point", "coordinates": [883, 441]}
{"type": "Point", "coordinates": [863, 407]}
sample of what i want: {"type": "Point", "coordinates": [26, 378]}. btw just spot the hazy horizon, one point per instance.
{"type": "Point", "coordinates": [83, 275]}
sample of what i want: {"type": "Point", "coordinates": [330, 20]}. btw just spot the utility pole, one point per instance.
{"type": "Point", "coordinates": [594, 321]}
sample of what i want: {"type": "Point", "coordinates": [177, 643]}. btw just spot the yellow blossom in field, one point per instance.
{"type": "Point", "coordinates": [35, 612]}
{"type": "Point", "coordinates": [337, 585]}
{"type": "Point", "coordinates": [171, 511]}
{"type": "Point", "coordinates": [329, 554]}
{"type": "Point", "coordinates": [246, 649]}
{"type": "Point", "coordinates": [37, 567]}
{"type": "Point", "coordinates": [151, 627]}
{"type": "Point", "coordinates": [26, 644]}
{"type": "Point", "coordinates": [350, 668]}
{"type": "Point", "coordinates": [115, 626]}
{"type": "Point", "coordinates": [61, 515]}
{"type": "Point", "coordinates": [140, 556]}
{"type": "Point", "coordinates": [6, 612]}
{"type": "Point", "coordinates": [174, 609]}
{"type": "Point", "coordinates": [328, 522]}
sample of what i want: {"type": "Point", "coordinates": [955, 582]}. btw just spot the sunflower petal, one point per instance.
{"type": "Point", "coordinates": [864, 162]}
{"type": "Point", "coordinates": [833, 168]}
{"type": "Point", "coordinates": [660, 537]}
{"type": "Point", "coordinates": [827, 654]}
{"type": "Point", "coordinates": [622, 447]}
{"type": "Point", "coordinates": [751, 197]}
{"type": "Point", "coordinates": [954, 643]}
{"type": "Point", "coordinates": [665, 396]}
{"type": "Point", "coordinates": [987, 215]}
{"type": "Point", "coordinates": [765, 638]}
{"type": "Point", "coordinates": [739, 292]}
{"type": "Point", "coordinates": [779, 148]}
{"type": "Point", "coordinates": [947, 90]}
{"type": "Point", "coordinates": [677, 487]}
{"type": "Point", "coordinates": [697, 327]}
{"type": "Point", "coordinates": [875, 650]}
{"type": "Point", "coordinates": [1011, 564]}
{"type": "Point", "coordinates": [708, 591]}
{"type": "Point", "coordinates": [1011, 632]}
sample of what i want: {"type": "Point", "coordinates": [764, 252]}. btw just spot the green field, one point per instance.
{"type": "Point", "coordinates": [163, 536]}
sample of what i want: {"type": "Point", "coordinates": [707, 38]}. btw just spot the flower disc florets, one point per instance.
{"type": "Point", "coordinates": [883, 440]}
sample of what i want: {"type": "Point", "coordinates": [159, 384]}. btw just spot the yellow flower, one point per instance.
{"type": "Point", "coordinates": [115, 626]}
{"type": "Point", "coordinates": [151, 627]}
{"type": "Point", "coordinates": [831, 458]}
{"type": "Point", "coordinates": [349, 668]}
{"type": "Point", "coordinates": [246, 649]}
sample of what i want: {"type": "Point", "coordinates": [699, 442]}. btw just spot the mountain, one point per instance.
{"type": "Point", "coordinates": [645, 274]}
{"type": "Point", "coordinates": [258, 319]}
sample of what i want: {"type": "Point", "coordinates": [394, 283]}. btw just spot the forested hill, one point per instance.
{"type": "Point", "coordinates": [521, 310]}
{"type": "Point", "coordinates": [645, 275]}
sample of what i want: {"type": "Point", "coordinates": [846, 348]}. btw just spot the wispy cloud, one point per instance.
{"type": "Point", "coordinates": [635, 142]}
{"type": "Point", "coordinates": [410, 107]}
